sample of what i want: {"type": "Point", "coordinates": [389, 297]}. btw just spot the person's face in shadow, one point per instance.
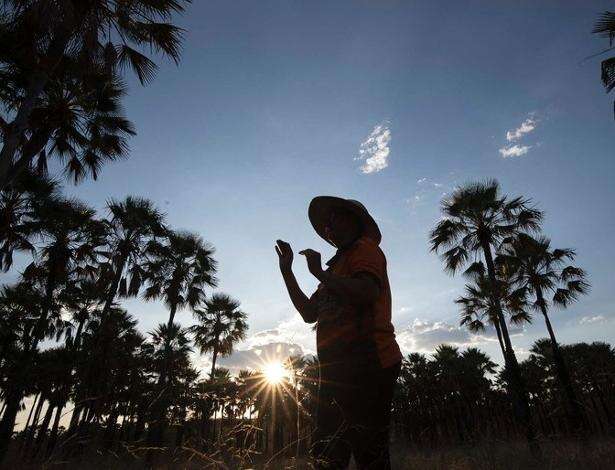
{"type": "Point", "coordinates": [343, 227]}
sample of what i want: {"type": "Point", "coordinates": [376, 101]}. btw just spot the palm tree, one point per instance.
{"type": "Point", "coordinates": [605, 27]}
{"type": "Point", "coordinates": [71, 237]}
{"type": "Point", "coordinates": [538, 269]}
{"type": "Point", "coordinates": [171, 349]}
{"type": "Point", "coordinates": [72, 240]}
{"type": "Point", "coordinates": [18, 212]}
{"type": "Point", "coordinates": [79, 121]}
{"type": "Point", "coordinates": [478, 307]}
{"type": "Point", "coordinates": [44, 36]}
{"type": "Point", "coordinates": [178, 270]}
{"type": "Point", "coordinates": [477, 218]}
{"type": "Point", "coordinates": [173, 336]}
{"type": "Point", "coordinates": [221, 325]}
{"type": "Point", "coordinates": [247, 378]}
{"type": "Point", "coordinates": [133, 223]}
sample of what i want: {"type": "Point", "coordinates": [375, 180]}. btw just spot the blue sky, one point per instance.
{"type": "Point", "coordinates": [272, 101]}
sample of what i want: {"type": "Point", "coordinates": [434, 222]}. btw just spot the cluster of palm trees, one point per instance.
{"type": "Point", "coordinates": [77, 267]}
{"type": "Point", "coordinates": [61, 66]}
{"type": "Point", "coordinates": [459, 397]}
{"type": "Point", "coordinates": [512, 270]}
{"type": "Point", "coordinates": [67, 347]}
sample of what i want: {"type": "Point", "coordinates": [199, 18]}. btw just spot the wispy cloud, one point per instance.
{"type": "Point", "coordinates": [426, 190]}
{"type": "Point", "coordinates": [514, 150]}
{"type": "Point", "coordinates": [425, 336]}
{"type": "Point", "coordinates": [374, 151]}
{"type": "Point", "coordinates": [588, 320]}
{"type": "Point", "coordinates": [526, 127]}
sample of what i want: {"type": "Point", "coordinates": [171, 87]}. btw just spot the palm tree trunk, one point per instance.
{"type": "Point", "coordinates": [157, 427]}
{"type": "Point", "coordinates": [53, 437]}
{"type": "Point", "coordinates": [517, 385]}
{"type": "Point", "coordinates": [42, 432]}
{"type": "Point", "coordinates": [213, 361]}
{"type": "Point", "coordinates": [27, 425]}
{"type": "Point", "coordinates": [29, 437]}
{"type": "Point", "coordinates": [498, 331]}
{"type": "Point", "coordinates": [7, 424]}
{"type": "Point", "coordinates": [74, 419]}
{"type": "Point", "coordinates": [101, 344]}
{"type": "Point", "coordinates": [112, 292]}
{"type": "Point", "coordinates": [575, 413]}
{"type": "Point", "coordinates": [298, 424]}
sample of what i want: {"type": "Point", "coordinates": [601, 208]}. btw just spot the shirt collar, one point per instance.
{"type": "Point", "coordinates": [340, 251]}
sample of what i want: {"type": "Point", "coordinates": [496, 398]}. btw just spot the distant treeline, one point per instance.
{"type": "Point", "coordinates": [460, 398]}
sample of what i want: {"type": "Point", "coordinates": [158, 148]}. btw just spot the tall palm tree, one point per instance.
{"type": "Point", "coordinates": [39, 36]}
{"type": "Point", "coordinates": [132, 225]}
{"type": "Point", "coordinates": [477, 218]}
{"type": "Point", "coordinates": [178, 268]}
{"type": "Point", "coordinates": [78, 120]}
{"type": "Point", "coordinates": [171, 349]}
{"type": "Point", "coordinates": [19, 308]}
{"type": "Point", "coordinates": [221, 325]}
{"type": "Point", "coordinates": [538, 269]}
{"type": "Point", "coordinates": [247, 378]}
{"type": "Point", "coordinates": [71, 238]}
{"type": "Point", "coordinates": [478, 307]}
{"type": "Point", "coordinates": [605, 27]}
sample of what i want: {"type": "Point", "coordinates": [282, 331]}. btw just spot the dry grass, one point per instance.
{"type": "Point", "coordinates": [560, 455]}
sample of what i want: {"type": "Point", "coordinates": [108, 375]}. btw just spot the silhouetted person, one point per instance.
{"type": "Point", "coordinates": [359, 357]}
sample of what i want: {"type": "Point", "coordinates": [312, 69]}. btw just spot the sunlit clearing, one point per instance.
{"type": "Point", "coordinates": [274, 373]}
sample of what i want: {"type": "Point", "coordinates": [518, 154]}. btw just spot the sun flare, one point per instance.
{"type": "Point", "coordinates": [274, 373]}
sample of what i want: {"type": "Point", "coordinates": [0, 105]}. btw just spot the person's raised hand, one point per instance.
{"type": "Point", "coordinates": [313, 261]}
{"type": "Point", "coordinates": [285, 255]}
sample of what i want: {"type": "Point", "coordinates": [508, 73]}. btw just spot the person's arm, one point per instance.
{"type": "Point", "coordinates": [360, 289]}
{"type": "Point", "coordinates": [301, 301]}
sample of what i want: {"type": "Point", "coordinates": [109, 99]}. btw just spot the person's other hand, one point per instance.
{"type": "Point", "coordinates": [285, 255]}
{"type": "Point", "coordinates": [313, 261]}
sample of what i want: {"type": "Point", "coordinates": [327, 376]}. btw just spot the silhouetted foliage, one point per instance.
{"type": "Point", "coordinates": [605, 27]}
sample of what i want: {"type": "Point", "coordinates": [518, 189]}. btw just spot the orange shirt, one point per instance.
{"type": "Point", "coordinates": [342, 324]}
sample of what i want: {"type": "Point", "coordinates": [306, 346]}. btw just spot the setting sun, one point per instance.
{"type": "Point", "coordinates": [274, 373]}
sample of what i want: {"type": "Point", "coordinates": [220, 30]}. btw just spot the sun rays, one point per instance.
{"type": "Point", "coordinates": [274, 373]}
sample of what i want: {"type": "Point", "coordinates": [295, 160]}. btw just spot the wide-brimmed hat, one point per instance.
{"type": "Point", "coordinates": [321, 207]}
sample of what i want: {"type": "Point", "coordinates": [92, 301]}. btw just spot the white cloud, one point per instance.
{"type": "Point", "coordinates": [427, 190]}
{"type": "Point", "coordinates": [526, 127]}
{"type": "Point", "coordinates": [425, 336]}
{"type": "Point", "coordinates": [514, 150]}
{"type": "Point", "coordinates": [292, 331]}
{"type": "Point", "coordinates": [257, 357]}
{"type": "Point", "coordinates": [374, 151]}
{"type": "Point", "coordinates": [587, 320]}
